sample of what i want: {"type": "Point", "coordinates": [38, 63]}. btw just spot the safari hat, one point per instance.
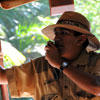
{"type": "Point", "coordinates": [76, 22]}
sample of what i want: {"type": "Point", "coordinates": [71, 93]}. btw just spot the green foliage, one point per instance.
{"type": "Point", "coordinates": [23, 15]}
{"type": "Point", "coordinates": [91, 9]}
{"type": "Point", "coordinates": [19, 25]}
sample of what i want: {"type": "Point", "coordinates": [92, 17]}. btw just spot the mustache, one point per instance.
{"type": "Point", "coordinates": [58, 44]}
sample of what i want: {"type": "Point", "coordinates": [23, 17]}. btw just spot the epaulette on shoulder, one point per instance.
{"type": "Point", "coordinates": [93, 57]}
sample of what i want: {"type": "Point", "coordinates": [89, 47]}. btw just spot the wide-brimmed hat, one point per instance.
{"type": "Point", "coordinates": [76, 22]}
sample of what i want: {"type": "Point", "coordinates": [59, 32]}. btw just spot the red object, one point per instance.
{"type": "Point", "coordinates": [4, 89]}
{"type": "Point", "coordinates": [57, 7]}
{"type": "Point", "coordinates": [9, 4]}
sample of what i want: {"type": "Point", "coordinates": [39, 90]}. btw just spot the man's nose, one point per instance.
{"type": "Point", "coordinates": [57, 37]}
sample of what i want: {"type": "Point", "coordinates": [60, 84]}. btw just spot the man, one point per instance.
{"type": "Point", "coordinates": [67, 72]}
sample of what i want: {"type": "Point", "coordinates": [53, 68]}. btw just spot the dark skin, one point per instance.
{"type": "Point", "coordinates": [70, 47]}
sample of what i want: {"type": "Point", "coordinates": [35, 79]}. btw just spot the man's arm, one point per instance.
{"type": "Point", "coordinates": [85, 81]}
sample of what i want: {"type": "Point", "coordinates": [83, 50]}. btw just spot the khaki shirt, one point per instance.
{"type": "Point", "coordinates": [37, 79]}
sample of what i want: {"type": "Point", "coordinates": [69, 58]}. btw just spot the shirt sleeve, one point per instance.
{"type": "Point", "coordinates": [96, 69]}
{"type": "Point", "coordinates": [21, 80]}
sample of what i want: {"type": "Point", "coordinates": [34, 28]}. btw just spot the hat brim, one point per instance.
{"type": "Point", "coordinates": [49, 32]}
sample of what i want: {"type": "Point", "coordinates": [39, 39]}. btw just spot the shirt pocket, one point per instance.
{"type": "Point", "coordinates": [53, 96]}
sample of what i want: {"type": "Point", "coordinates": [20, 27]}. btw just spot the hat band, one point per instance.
{"type": "Point", "coordinates": [74, 23]}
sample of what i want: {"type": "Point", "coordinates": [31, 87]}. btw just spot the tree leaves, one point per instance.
{"type": "Point", "coordinates": [91, 9]}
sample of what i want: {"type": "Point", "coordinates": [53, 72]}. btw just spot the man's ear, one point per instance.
{"type": "Point", "coordinates": [81, 39]}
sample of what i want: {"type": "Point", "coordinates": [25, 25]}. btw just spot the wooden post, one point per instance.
{"type": "Point", "coordinates": [4, 92]}
{"type": "Point", "coordinates": [4, 89]}
{"type": "Point", "coordinates": [57, 7]}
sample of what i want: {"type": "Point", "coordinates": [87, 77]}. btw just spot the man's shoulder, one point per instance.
{"type": "Point", "coordinates": [93, 58]}
{"type": "Point", "coordinates": [93, 54]}
{"type": "Point", "coordinates": [40, 59]}
{"type": "Point", "coordinates": [40, 64]}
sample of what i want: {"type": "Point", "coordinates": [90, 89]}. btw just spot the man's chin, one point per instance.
{"type": "Point", "coordinates": [62, 54]}
{"type": "Point", "coordinates": [60, 50]}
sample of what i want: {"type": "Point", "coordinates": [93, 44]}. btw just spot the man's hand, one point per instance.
{"type": "Point", "coordinates": [52, 55]}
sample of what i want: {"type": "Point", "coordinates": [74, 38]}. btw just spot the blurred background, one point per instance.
{"type": "Point", "coordinates": [20, 29]}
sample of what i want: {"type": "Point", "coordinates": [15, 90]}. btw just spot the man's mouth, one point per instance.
{"type": "Point", "coordinates": [60, 47]}
{"type": "Point", "coordinates": [58, 44]}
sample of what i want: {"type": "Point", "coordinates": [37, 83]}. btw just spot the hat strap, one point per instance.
{"type": "Point", "coordinates": [74, 23]}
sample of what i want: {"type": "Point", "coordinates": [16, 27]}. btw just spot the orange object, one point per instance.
{"type": "Point", "coordinates": [8, 4]}
{"type": "Point", "coordinates": [4, 89]}
{"type": "Point", "coordinates": [57, 7]}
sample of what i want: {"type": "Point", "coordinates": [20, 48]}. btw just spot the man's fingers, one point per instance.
{"type": "Point", "coordinates": [47, 48]}
{"type": "Point", "coordinates": [51, 44]}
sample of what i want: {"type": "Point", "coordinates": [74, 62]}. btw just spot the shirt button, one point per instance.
{"type": "Point", "coordinates": [56, 97]}
{"type": "Point", "coordinates": [65, 86]}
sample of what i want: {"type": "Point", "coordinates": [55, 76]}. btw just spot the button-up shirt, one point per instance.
{"type": "Point", "coordinates": [39, 80]}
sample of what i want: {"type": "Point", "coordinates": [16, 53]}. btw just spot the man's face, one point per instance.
{"type": "Point", "coordinates": [65, 41]}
